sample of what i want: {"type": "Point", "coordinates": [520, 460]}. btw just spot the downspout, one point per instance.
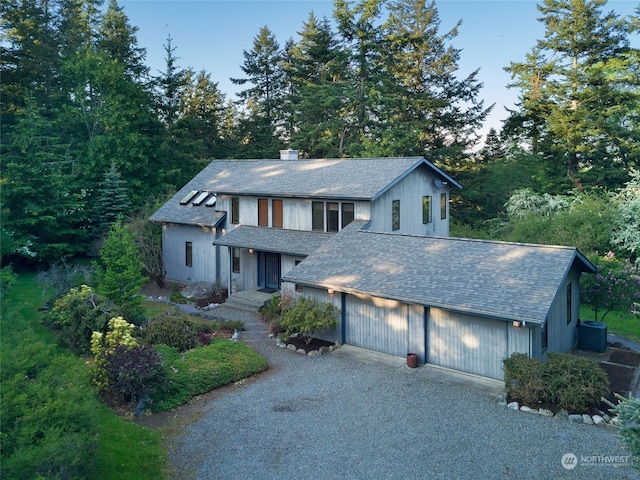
{"type": "Point", "coordinates": [343, 316]}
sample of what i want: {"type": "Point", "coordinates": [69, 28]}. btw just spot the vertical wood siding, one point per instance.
{"type": "Point", "coordinates": [377, 324]}
{"type": "Point", "coordinates": [463, 342]}
{"type": "Point", "coordinates": [562, 336]}
{"type": "Point", "coordinates": [205, 255]}
{"type": "Point", "coordinates": [410, 191]}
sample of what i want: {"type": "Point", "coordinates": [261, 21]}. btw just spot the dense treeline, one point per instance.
{"type": "Point", "coordinates": [88, 132]}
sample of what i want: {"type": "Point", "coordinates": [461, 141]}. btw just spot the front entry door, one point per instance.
{"type": "Point", "coordinates": [269, 270]}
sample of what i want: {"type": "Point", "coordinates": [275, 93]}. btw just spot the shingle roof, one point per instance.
{"type": "Point", "coordinates": [496, 279]}
{"type": "Point", "coordinates": [356, 179]}
{"type": "Point", "coordinates": [292, 242]}
{"type": "Point", "coordinates": [173, 212]}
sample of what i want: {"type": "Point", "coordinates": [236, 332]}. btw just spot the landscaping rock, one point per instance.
{"type": "Point", "coordinates": [562, 414]}
{"type": "Point", "coordinates": [513, 406]}
{"type": "Point", "coordinates": [292, 347]}
{"type": "Point", "coordinates": [324, 350]}
{"type": "Point", "coordinates": [314, 353]}
{"type": "Point", "coordinates": [524, 408]}
{"type": "Point", "coordinates": [545, 412]}
{"type": "Point", "coordinates": [586, 419]}
{"type": "Point", "coordinates": [199, 289]}
{"type": "Point", "coordinates": [301, 351]}
{"type": "Point", "coordinates": [598, 420]}
{"type": "Point", "coordinates": [502, 399]}
{"type": "Point", "coordinates": [575, 417]}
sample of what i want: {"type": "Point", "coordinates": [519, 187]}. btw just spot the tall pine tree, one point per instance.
{"type": "Point", "coordinates": [262, 123]}
{"type": "Point", "coordinates": [580, 93]}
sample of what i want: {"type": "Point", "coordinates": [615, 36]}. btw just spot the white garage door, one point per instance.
{"type": "Point", "coordinates": [377, 324]}
{"type": "Point", "coordinates": [466, 343]}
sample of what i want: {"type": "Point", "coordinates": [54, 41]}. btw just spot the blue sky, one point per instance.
{"type": "Point", "coordinates": [212, 34]}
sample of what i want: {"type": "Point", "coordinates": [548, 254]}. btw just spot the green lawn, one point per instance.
{"type": "Point", "coordinates": [619, 323]}
{"type": "Point", "coordinates": [42, 427]}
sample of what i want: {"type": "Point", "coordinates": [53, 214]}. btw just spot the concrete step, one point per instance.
{"type": "Point", "coordinates": [248, 300]}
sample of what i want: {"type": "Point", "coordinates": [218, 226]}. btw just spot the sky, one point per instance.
{"type": "Point", "coordinates": [212, 35]}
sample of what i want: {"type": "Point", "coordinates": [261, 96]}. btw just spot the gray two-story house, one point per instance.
{"type": "Point", "coordinates": [371, 236]}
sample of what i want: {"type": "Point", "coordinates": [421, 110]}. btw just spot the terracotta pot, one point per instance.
{"type": "Point", "coordinates": [412, 360]}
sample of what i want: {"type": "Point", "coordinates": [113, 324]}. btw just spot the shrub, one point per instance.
{"type": "Point", "coordinates": [616, 286]}
{"type": "Point", "coordinates": [566, 381]}
{"type": "Point", "coordinates": [61, 277]}
{"type": "Point", "coordinates": [177, 297]}
{"type": "Point", "coordinates": [78, 314]}
{"type": "Point", "coordinates": [523, 378]}
{"type": "Point", "coordinates": [48, 422]}
{"type": "Point", "coordinates": [307, 317]}
{"type": "Point", "coordinates": [272, 309]}
{"type": "Point", "coordinates": [573, 383]}
{"type": "Point", "coordinates": [173, 328]}
{"type": "Point", "coordinates": [203, 369]}
{"type": "Point", "coordinates": [133, 373]}
{"type": "Point", "coordinates": [628, 412]}
{"type": "Point", "coordinates": [119, 334]}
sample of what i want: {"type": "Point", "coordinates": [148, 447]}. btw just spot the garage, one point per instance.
{"type": "Point", "coordinates": [377, 324]}
{"type": "Point", "coordinates": [467, 343]}
{"type": "Point", "coordinates": [384, 325]}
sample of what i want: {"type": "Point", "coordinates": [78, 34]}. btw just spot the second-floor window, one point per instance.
{"type": "Point", "coordinates": [235, 210]}
{"type": "Point", "coordinates": [426, 209]}
{"type": "Point", "coordinates": [331, 216]}
{"type": "Point", "coordinates": [347, 214]}
{"type": "Point", "coordinates": [263, 212]}
{"type": "Point", "coordinates": [395, 215]}
{"type": "Point", "coordinates": [276, 213]}
{"type": "Point", "coordinates": [317, 216]}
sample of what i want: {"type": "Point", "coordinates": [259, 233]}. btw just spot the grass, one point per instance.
{"type": "Point", "coordinates": [153, 309]}
{"type": "Point", "coordinates": [124, 450]}
{"type": "Point", "coordinates": [619, 323]}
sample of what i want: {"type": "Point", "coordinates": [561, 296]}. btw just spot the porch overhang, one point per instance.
{"type": "Point", "coordinates": [274, 240]}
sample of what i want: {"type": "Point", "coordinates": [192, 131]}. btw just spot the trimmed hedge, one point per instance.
{"type": "Point", "coordinates": [203, 369]}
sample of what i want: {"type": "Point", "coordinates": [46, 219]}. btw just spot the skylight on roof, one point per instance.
{"type": "Point", "coordinates": [200, 198]}
{"type": "Point", "coordinates": [211, 202]}
{"type": "Point", "coordinates": [188, 197]}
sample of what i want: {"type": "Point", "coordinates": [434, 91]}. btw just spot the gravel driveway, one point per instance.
{"type": "Point", "coordinates": [335, 418]}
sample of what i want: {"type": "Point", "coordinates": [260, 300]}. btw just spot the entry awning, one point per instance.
{"type": "Point", "coordinates": [274, 240]}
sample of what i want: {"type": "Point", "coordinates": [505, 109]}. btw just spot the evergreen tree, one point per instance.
{"type": "Point", "coordinates": [262, 123]}
{"type": "Point", "coordinates": [30, 60]}
{"type": "Point", "coordinates": [171, 84]}
{"type": "Point", "coordinates": [580, 93]}
{"type": "Point", "coordinates": [426, 110]}
{"type": "Point", "coordinates": [112, 200]}
{"type": "Point", "coordinates": [120, 267]}
{"type": "Point", "coordinates": [360, 28]}
{"type": "Point", "coordinates": [118, 39]}
{"type": "Point", "coordinates": [316, 69]}
{"type": "Point", "coordinates": [42, 205]}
